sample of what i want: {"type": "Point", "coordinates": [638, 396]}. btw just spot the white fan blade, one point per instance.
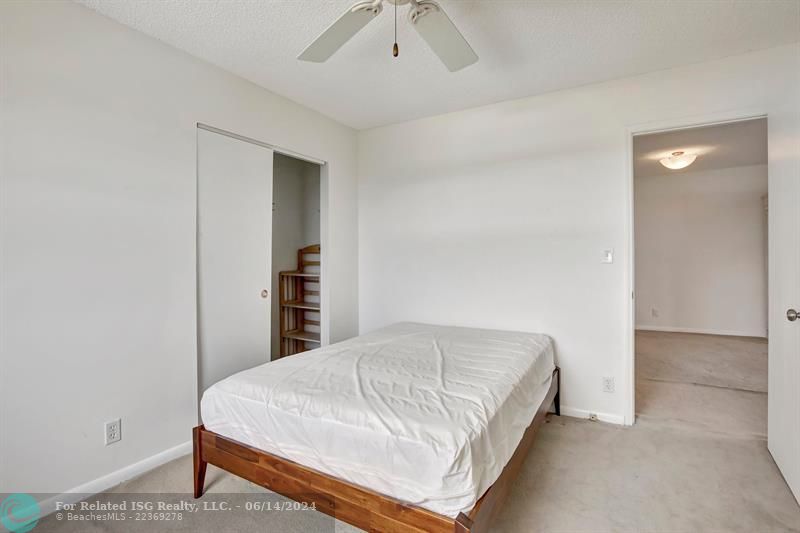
{"type": "Point", "coordinates": [340, 32]}
{"type": "Point", "coordinates": [442, 36]}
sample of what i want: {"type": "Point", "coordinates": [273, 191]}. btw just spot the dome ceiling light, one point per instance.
{"type": "Point", "coordinates": [678, 160]}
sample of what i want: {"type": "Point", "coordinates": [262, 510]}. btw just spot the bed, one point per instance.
{"type": "Point", "coordinates": [412, 427]}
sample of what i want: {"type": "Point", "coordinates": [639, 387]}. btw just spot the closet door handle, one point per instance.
{"type": "Point", "coordinates": [791, 315]}
{"type": "Point", "coordinates": [264, 293]}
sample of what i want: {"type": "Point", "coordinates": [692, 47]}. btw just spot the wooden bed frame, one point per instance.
{"type": "Point", "coordinates": [351, 503]}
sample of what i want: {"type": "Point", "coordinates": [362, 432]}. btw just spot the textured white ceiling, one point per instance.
{"type": "Point", "coordinates": [735, 144]}
{"type": "Point", "coordinates": [525, 47]}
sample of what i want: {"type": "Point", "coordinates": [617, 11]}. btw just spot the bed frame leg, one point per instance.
{"type": "Point", "coordinates": [463, 524]}
{"type": "Point", "coordinates": [557, 399]}
{"type": "Point", "coordinates": [199, 464]}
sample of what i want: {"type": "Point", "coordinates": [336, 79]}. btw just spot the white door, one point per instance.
{"type": "Point", "coordinates": [784, 295]}
{"type": "Point", "coordinates": [234, 255]}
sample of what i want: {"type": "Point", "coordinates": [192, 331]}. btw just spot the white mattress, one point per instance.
{"type": "Point", "coordinates": [426, 414]}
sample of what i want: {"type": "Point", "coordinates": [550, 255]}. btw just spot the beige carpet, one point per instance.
{"type": "Point", "coordinates": [730, 362]}
{"type": "Point", "coordinates": [671, 472]}
{"type": "Point", "coordinates": [708, 382]}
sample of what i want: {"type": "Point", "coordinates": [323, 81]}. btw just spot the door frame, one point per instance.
{"type": "Point", "coordinates": [324, 210]}
{"type": "Point", "coordinates": [633, 130]}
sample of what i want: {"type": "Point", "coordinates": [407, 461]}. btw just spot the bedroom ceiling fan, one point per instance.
{"type": "Point", "coordinates": [427, 17]}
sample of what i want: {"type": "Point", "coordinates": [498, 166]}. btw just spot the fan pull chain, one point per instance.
{"type": "Point", "coordinates": [395, 48]}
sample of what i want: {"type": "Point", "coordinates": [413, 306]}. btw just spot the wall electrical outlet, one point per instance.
{"type": "Point", "coordinates": [113, 431]}
{"type": "Point", "coordinates": [654, 312]}
{"type": "Point", "coordinates": [608, 384]}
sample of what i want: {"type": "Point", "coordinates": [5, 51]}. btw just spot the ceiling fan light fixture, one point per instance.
{"type": "Point", "coordinates": [678, 160]}
{"type": "Point", "coordinates": [426, 16]}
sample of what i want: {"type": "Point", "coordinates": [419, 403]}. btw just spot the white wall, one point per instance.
{"type": "Point", "coordinates": [311, 207]}
{"type": "Point", "coordinates": [498, 216]}
{"type": "Point", "coordinates": [98, 235]}
{"type": "Point", "coordinates": [295, 223]}
{"type": "Point", "coordinates": [701, 251]}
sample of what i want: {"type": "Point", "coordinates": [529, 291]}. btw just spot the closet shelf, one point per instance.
{"type": "Point", "coordinates": [297, 314]}
{"type": "Point", "coordinates": [296, 274]}
{"type": "Point", "coordinates": [297, 304]}
{"type": "Point", "coordinates": [305, 336]}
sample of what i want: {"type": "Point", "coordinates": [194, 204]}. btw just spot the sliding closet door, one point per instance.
{"type": "Point", "coordinates": [234, 249]}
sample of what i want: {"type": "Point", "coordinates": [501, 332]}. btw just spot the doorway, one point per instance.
{"type": "Point", "coordinates": [700, 234]}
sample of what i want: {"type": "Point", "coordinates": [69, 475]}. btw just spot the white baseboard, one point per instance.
{"type": "Point", "coordinates": [602, 417]}
{"type": "Point", "coordinates": [671, 329]}
{"type": "Point", "coordinates": [113, 479]}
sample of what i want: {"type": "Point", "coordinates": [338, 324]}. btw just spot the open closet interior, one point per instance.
{"type": "Point", "coordinates": [296, 256]}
